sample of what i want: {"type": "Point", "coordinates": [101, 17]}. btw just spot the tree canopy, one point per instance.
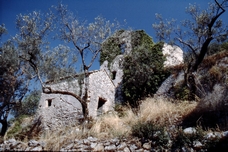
{"type": "Point", "coordinates": [195, 35]}
{"type": "Point", "coordinates": [143, 70]}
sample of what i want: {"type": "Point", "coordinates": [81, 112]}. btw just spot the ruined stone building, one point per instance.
{"type": "Point", "coordinates": [104, 88]}
{"type": "Point", "coordinates": [59, 110]}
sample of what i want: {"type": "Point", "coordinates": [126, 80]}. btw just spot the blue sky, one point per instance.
{"type": "Point", "coordinates": [139, 14]}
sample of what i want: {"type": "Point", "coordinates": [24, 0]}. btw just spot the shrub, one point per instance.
{"type": "Point", "coordinates": [149, 132]}
{"type": "Point", "coordinates": [143, 72]}
{"type": "Point", "coordinates": [28, 106]}
{"type": "Point", "coordinates": [181, 91]}
{"type": "Point", "coordinates": [111, 48]}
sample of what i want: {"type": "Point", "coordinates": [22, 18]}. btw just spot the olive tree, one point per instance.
{"type": "Point", "coordinates": [51, 64]}
{"type": "Point", "coordinates": [14, 80]}
{"type": "Point", "coordinates": [195, 34]}
{"type": "Point", "coordinates": [86, 38]}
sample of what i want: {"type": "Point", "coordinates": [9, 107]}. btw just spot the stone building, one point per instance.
{"type": "Point", "coordinates": [59, 110]}
{"type": "Point", "coordinates": [104, 90]}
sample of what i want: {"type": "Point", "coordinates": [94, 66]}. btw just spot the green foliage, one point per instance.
{"type": "Point", "coordinates": [213, 48]}
{"type": "Point", "coordinates": [148, 131]}
{"type": "Point", "coordinates": [141, 38]}
{"type": "Point", "coordinates": [111, 48]}
{"type": "Point", "coordinates": [28, 106]}
{"type": "Point", "coordinates": [16, 131]}
{"type": "Point", "coordinates": [181, 91]}
{"type": "Point", "coordinates": [217, 47]}
{"type": "Point", "coordinates": [224, 45]}
{"type": "Point", "coordinates": [143, 71]}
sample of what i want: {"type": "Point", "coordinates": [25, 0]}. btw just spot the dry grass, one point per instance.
{"type": "Point", "coordinates": [211, 60]}
{"type": "Point", "coordinates": [163, 112]}
{"type": "Point", "coordinates": [111, 125]}
{"type": "Point", "coordinates": [159, 111]}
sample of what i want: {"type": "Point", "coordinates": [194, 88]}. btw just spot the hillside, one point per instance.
{"type": "Point", "coordinates": [158, 123]}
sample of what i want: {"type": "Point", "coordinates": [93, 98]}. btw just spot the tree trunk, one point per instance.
{"type": "Point", "coordinates": [4, 127]}
{"type": "Point", "coordinates": [83, 101]}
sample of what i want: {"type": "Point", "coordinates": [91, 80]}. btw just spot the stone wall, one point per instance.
{"type": "Point", "coordinates": [57, 110]}
{"type": "Point", "coordinates": [101, 93]}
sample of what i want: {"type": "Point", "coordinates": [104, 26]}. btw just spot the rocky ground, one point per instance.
{"type": "Point", "coordinates": [212, 141]}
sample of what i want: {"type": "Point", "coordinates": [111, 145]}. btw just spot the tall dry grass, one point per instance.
{"type": "Point", "coordinates": [164, 112]}
{"type": "Point", "coordinates": [111, 125]}
{"type": "Point", "coordinates": [159, 111]}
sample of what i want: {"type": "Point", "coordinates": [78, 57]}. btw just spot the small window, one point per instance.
{"type": "Point", "coordinates": [113, 75]}
{"type": "Point", "coordinates": [49, 101]}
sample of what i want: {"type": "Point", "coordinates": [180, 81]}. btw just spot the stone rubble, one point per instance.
{"type": "Point", "coordinates": [115, 144]}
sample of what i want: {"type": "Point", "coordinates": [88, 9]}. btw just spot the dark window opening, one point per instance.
{"type": "Point", "coordinates": [113, 75]}
{"type": "Point", "coordinates": [101, 102]}
{"type": "Point", "coordinates": [49, 102]}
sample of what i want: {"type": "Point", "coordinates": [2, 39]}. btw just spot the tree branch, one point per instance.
{"type": "Point", "coordinates": [189, 45]}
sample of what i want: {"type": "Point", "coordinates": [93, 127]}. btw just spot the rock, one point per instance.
{"type": "Point", "coordinates": [43, 144]}
{"type": "Point", "coordinates": [33, 143]}
{"type": "Point", "coordinates": [197, 145]}
{"type": "Point", "coordinates": [86, 141]}
{"type": "Point", "coordinates": [92, 139]}
{"type": "Point", "coordinates": [140, 150]}
{"type": "Point", "coordinates": [121, 146]}
{"type": "Point", "coordinates": [13, 143]}
{"type": "Point", "coordinates": [147, 146]}
{"type": "Point", "coordinates": [173, 54]}
{"type": "Point", "coordinates": [22, 146]}
{"type": "Point", "coordinates": [99, 147]}
{"type": "Point", "coordinates": [115, 141]}
{"type": "Point", "coordinates": [39, 148]}
{"type": "Point", "coordinates": [93, 145]}
{"type": "Point", "coordinates": [110, 148]}
{"type": "Point", "coordinates": [225, 134]}
{"type": "Point", "coordinates": [69, 146]}
{"type": "Point", "coordinates": [126, 149]}
{"type": "Point", "coordinates": [133, 147]}
{"type": "Point", "coordinates": [28, 149]}
{"type": "Point", "coordinates": [213, 135]}
{"type": "Point", "coordinates": [189, 130]}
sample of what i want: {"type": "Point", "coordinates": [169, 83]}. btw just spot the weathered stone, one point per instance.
{"type": "Point", "coordinates": [225, 134]}
{"type": "Point", "coordinates": [39, 148]}
{"type": "Point", "coordinates": [86, 141]}
{"type": "Point", "coordinates": [69, 146]}
{"type": "Point", "coordinates": [28, 149]}
{"type": "Point", "coordinates": [173, 54]}
{"type": "Point", "coordinates": [140, 150]}
{"type": "Point", "coordinates": [197, 145]}
{"type": "Point", "coordinates": [210, 135]}
{"type": "Point", "coordinates": [110, 148]}
{"type": "Point", "coordinates": [107, 143]}
{"type": "Point", "coordinates": [99, 147]}
{"type": "Point", "coordinates": [126, 149]}
{"type": "Point", "coordinates": [147, 146]}
{"type": "Point", "coordinates": [121, 146]}
{"type": "Point", "coordinates": [92, 139]}
{"type": "Point", "coordinates": [133, 147]}
{"type": "Point", "coordinates": [93, 145]}
{"type": "Point", "coordinates": [33, 143]}
{"type": "Point", "coordinates": [189, 130]}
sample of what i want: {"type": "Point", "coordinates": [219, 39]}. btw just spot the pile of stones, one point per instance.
{"type": "Point", "coordinates": [114, 144]}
